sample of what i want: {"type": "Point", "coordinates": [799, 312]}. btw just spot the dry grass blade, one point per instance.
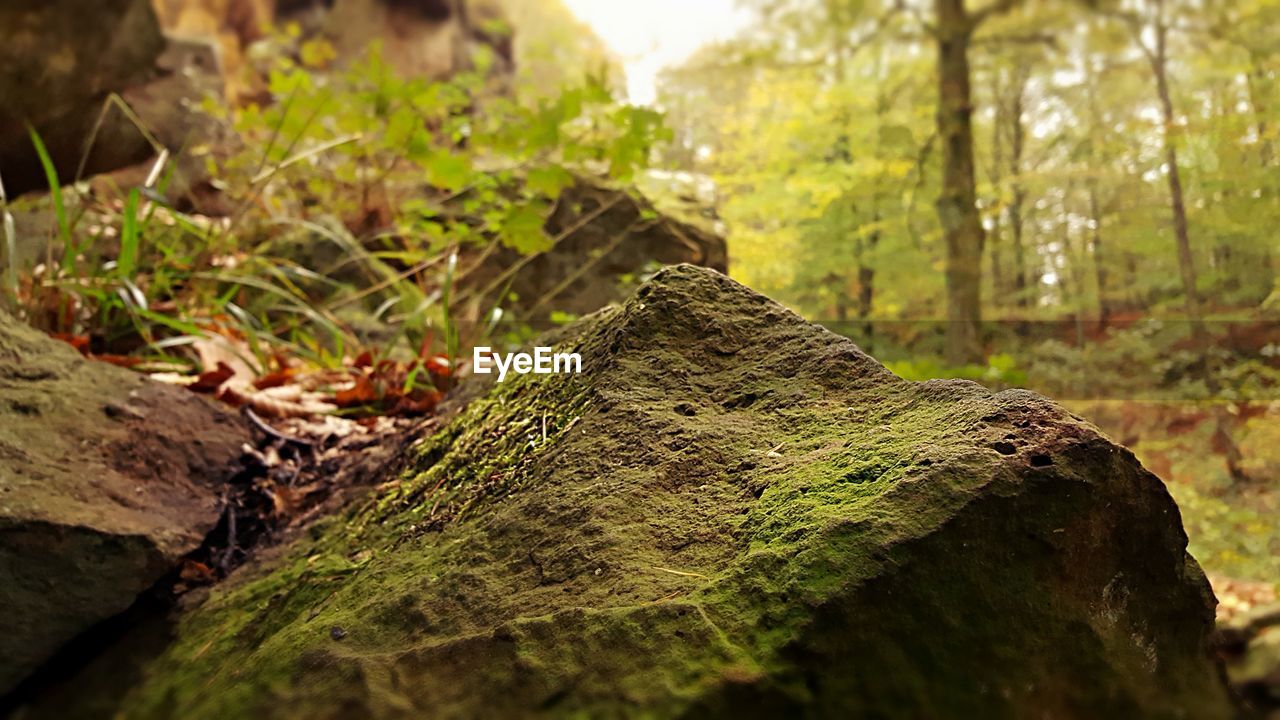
{"type": "Point", "coordinates": [269, 405]}
{"type": "Point", "coordinates": [10, 243]}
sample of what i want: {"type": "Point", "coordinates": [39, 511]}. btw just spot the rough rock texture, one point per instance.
{"type": "Point", "coordinates": [106, 480]}
{"type": "Point", "coordinates": [59, 61]}
{"type": "Point", "coordinates": [419, 38]}
{"type": "Point", "coordinates": [607, 240]}
{"type": "Point", "coordinates": [730, 513]}
{"type": "Point", "coordinates": [431, 38]}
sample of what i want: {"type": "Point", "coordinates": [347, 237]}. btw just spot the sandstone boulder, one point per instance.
{"type": "Point", "coordinates": [59, 62]}
{"type": "Point", "coordinates": [106, 480]}
{"type": "Point", "coordinates": [729, 513]}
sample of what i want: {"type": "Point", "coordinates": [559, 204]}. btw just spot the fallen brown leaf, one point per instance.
{"type": "Point", "coordinates": [210, 381]}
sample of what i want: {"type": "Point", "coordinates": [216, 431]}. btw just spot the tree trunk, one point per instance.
{"type": "Point", "coordinates": [1099, 269]}
{"type": "Point", "coordinates": [957, 204]}
{"type": "Point", "coordinates": [1095, 206]}
{"type": "Point", "coordinates": [1256, 80]}
{"type": "Point", "coordinates": [998, 285]}
{"type": "Point", "coordinates": [1186, 260]}
{"type": "Point", "coordinates": [1017, 145]}
{"type": "Point", "coordinates": [1181, 228]}
{"type": "Point", "coordinates": [867, 289]}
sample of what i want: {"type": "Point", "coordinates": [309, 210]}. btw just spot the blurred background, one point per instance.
{"type": "Point", "coordinates": [1077, 197]}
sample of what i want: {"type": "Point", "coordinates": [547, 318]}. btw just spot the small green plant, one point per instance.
{"type": "Point", "coordinates": [362, 202]}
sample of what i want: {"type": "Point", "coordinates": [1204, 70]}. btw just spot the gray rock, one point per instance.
{"type": "Point", "coordinates": [59, 61]}
{"type": "Point", "coordinates": [106, 480]}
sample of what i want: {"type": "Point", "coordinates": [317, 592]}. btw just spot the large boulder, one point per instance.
{"type": "Point", "coordinates": [730, 512]}
{"type": "Point", "coordinates": [59, 62]}
{"type": "Point", "coordinates": [106, 480]}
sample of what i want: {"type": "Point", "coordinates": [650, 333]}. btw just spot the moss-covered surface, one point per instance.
{"type": "Point", "coordinates": [730, 512]}
{"type": "Point", "coordinates": [106, 480]}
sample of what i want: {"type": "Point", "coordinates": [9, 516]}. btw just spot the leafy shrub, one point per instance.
{"type": "Point", "coordinates": [352, 196]}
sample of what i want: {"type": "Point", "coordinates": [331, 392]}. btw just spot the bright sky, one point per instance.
{"type": "Point", "coordinates": [655, 34]}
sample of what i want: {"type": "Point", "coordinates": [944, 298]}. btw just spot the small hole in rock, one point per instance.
{"type": "Point", "coordinates": [1004, 448]}
{"type": "Point", "coordinates": [1041, 461]}
{"type": "Point", "coordinates": [686, 410]}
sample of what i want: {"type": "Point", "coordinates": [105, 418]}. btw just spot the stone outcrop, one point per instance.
{"type": "Point", "coordinates": [106, 480]}
{"type": "Point", "coordinates": [59, 62]}
{"type": "Point", "coordinates": [730, 512]}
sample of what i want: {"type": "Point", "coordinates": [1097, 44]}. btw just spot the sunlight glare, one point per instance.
{"type": "Point", "coordinates": [654, 35]}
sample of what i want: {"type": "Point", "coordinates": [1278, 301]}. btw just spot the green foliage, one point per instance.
{"type": "Point", "coordinates": [554, 49]}
{"type": "Point", "coordinates": [55, 193]}
{"type": "Point", "coordinates": [355, 195]}
{"type": "Point", "coordinates": [1000, 371]}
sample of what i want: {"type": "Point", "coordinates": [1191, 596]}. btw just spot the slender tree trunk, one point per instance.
{"type": "Point", "coordinates": [1099, 267]}
{"type": "Point", "coordinates": [1258, 84]}
{"type": "Point", "coordinates": [842, 301]}
{"type": "Point", "coordinates": [958, 202]}
{"type": "Point", "coordinates": [1181, 228]}
{"type": "Point", "coordinates": [1137, 299]}
{"type": "Point", "coordinates": [1017, 145]}
{"type": "Point", "coordinates": [867, 287]}
{"type": "Point", "coordinates": [1095, 206]}
{"type": "Point", "coordinates": [1186, 259]}
{"type": "Point", "coordinates": [998, 285]}
{"type": "Point", "coordinates": [1256, 80]}
{"type": "Point", "coordinates": [1076, 253]}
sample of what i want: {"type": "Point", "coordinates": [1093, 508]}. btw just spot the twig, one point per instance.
{"type": "Point", "coordinates": [384, 284]}
{"type": "Point", "coordinates": [261, 426]}
{"type": "Point", "coordinates": [582, 269]}
{"type": "Point", "coordinates": [681, 573]}
{"type": "Point", "coordinates": [231, 536]}
{"type": "Point", "coordinates": [270, 172]}
{"type": "Point", "coordinates": [114, 100]}
{"type": "Point", "coordinates": [10, 242]}
{"type": "Point", "coordinates": [570, 231]}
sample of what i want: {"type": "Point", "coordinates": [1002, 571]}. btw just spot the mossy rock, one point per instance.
{"type": "Point", "coordinates": [731, 512]}
{"type": "Point", "coordinates": [106, 480]}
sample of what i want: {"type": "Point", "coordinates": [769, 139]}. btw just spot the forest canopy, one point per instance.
{"type": "Point", "coordinates": [820, 126]}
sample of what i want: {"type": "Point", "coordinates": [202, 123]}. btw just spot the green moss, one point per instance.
{"type": "Point", "coordinates": [730, 512]}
